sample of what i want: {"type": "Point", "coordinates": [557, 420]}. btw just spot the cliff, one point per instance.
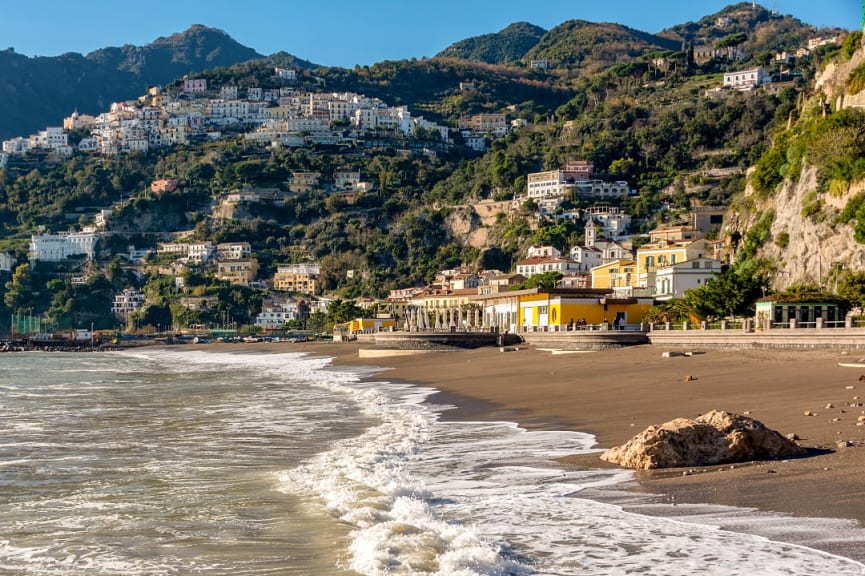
{"type": "Point", "coordinates": [807, 241]}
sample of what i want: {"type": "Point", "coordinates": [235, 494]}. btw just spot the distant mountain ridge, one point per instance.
{"type": "Point", "coordinates": [41, 91]}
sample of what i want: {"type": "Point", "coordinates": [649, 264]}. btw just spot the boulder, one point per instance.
{"type": "Point", "coordinates": [716, 437]}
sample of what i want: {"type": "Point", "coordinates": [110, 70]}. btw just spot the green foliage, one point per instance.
{"type": "Point", "coordinates": [19, 290]}
{"type": "Point", "coordinates": [852, 42]}
{"type": "Point", "coordinates": [856, 80]}
{"type": "Point", "coordinates": [782, 239]}
{"type": "Point", "coordinates": [768, 173]}
{"type": "Point", "coordinates": [507, 45]}
{"type": "Point", "coordinates": [546, 280]}
{"type": "Point", "coordinates": [675, 311]}
{"type": "Point", "coordinates": [758, 235]}
{"type": "Point", "coordinates": [734, 39]}
{"type": "Point", "coordinates": [812, 206]}
{"type": "Point", "coordinates": [852, 208]}
{"type": "Point", "coordinates": [731, 293]}
{"type": "Point", "coordinates": [852, 288]}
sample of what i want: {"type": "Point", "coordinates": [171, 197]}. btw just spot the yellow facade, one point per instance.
{"type": "Point", "coordinates": [617, 274]}
{"type": "Point", "coordinates": [560, 312]}
{"type": "Point", "coordinates": [369, 325]}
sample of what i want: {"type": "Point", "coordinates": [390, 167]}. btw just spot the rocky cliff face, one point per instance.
{"type": "Point", "coordinates": [808, 249]}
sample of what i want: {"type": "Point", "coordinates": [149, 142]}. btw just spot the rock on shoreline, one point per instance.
{"type": "Point", "coordinates": [716, 437]}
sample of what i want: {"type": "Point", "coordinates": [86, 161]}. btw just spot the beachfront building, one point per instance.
{"type": "Point", "coordinates": [673, 281]}
{"type": "Point", "coordinates": [558, 309]}
{"type": "Point", "coordinates": [277, 311]}
{"type": "Point", "coordinates": [784, 311]}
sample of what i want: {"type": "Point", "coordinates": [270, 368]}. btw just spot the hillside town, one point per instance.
{"type": "Point", "coordinates": [619, 273]}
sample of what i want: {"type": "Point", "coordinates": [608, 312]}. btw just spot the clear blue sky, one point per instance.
{"type": "Point", "coordinates": [349, 32]}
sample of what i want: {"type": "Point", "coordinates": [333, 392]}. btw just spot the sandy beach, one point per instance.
{"type": "Point", "coordinates": [614, 394]}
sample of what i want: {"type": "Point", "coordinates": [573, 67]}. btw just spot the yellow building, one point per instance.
{"type": "Point", "coordinates": [302, 278]}
{"type": "Point", "coordinates": [370, 325]}
{"type": "Point", "coordinates": [665, 253]}
{"type": "Point", "coordinates": [559, 310]}
{"type": "Point", "coordinates": [615, 274]}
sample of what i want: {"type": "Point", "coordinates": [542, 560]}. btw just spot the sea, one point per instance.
{"type": "Point", "coordinates": [194, 462]}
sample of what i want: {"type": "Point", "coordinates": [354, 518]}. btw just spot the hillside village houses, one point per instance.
{"type": "Point", "coordinates": [597, 277]}
{"type": "Point", "coordinates": [279, 116]}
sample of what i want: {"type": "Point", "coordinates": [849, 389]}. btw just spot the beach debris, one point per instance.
{"type": "Point", "coordinates": [829, 406]}
{"type": "Point", "coordinates": [844, 444]}
{"type": "Point", "coordinates": [689, 378]}
{"type": "Point", "coordinates": [851, 387]}
{"type": "Point", "coordinates": [792, 436]}
{"type": "Point", "coordinates": [717, 437]}
{"type": "Point", "coordinates": [746, 413]}
{"type": "Point", "coordinates": [671, 354]}
{"type": "Point", "coordinates": [836, 419]}
{"type": "Point", "coordinates": [508, 349]}
{"type": "Point", "coordinates": [808, 413]}
{"type": "Point", "coordinates": [860, 419]}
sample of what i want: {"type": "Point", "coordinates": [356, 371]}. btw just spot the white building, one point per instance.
{"type": "Point", "coordinates": [233, 250]}
{"type": "Point", "coordinates": [196, 252]}
{"type": "Point", "coordinates": [276, 312]}
{"type": "Point", "coordinates": [673, 281]}
{"type": "Point", "coordinates": [746, 79]}
{"type": "Point", "coordinates": [543, 252]}
{"type": "Point", "coordinates": [127, 302]}
{"type": "Point", "coordinates": [542, 264]}
{"type": "Point", "coordinates": [587, 258]}
{"type": "Point", "coordinates": [6, 262]}
{"type": "Point", "coordinates": [58, 247]}
{"type": "Point", "coordinates": [613, 221]}
{"type": "Point", "coordinates": [285, 73]}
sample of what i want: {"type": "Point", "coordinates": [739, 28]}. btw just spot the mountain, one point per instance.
{"type": "Point", "coordinates": [41, 91]}
{"type": "Point", "coordinates": [749, 26]}
{"type": "Point", "coordinates": [505, 46]}
{"type": "Point", "coordinates": [594, 46]}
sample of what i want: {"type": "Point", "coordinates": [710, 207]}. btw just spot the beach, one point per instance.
{"type": "Point", "coordinates": [615, 394]}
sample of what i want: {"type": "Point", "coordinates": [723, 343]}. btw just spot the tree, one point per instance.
{"type": "Point", "coordinates": [731, 293]}
{"type": "Point", "coordinates": [19, 290]}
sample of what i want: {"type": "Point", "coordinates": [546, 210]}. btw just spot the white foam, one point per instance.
{"type": "Point", "coordinates": [429, 497]}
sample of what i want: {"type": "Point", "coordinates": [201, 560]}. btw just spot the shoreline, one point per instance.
{"type": "Point", "coordinates": [615, 394]}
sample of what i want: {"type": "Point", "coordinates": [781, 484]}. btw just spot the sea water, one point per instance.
{"type": "Point", "coordinates": [236, 463]}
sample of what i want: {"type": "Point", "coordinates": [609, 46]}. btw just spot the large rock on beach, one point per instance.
{"type": "Point", "coordinates": [716, 437]}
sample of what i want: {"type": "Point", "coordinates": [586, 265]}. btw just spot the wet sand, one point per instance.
{"type": "Point", "coordinates": [615, 394]}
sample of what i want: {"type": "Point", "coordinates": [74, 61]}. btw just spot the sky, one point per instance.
{"type": "Point", "coordinates": [349, 32]}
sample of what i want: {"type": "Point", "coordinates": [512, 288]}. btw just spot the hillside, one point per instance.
{"type": "Point", "coordinates": [632, 104]}
{"type": "Point", "coordinates": [801, 215]}
{"type": "Point", "coordinates": [40, 91]}
{"type": "Point", "coordinates": [506, 46]}
{"type": "Point", "coordinates": [591, 46]}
